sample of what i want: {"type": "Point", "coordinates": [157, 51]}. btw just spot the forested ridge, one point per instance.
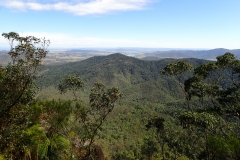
{"type": "Point", "coordinates": [117, 107]}
{"type": "Point", "coordinates": [138, 79]}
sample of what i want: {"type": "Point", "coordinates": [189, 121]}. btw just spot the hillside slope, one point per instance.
{"type": "Point", "coordinates": [146, 94]}
{"type": "Point", "coordinates": [139, 80]}
{"type": "Point", "coordinates": [200, 54]}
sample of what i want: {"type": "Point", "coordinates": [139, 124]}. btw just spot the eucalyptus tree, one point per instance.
{"type": "Point", "coordinates": [73, 84]}
{"type": "Point", "coordinates": [89, 119]}
{"type": "Point", "coordinates": [157, 124]}
{"type": "Point", "coordinates": [216, 85]}
{"type": "Point", "coordinates": [17, 89]}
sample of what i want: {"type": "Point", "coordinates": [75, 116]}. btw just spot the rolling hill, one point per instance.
{"type": "Point", "coordinates": [146, 94]}
{"type": "Point", "coordinates": [139, 80]}
{"type": "Point", "coordinates": [200, 54]}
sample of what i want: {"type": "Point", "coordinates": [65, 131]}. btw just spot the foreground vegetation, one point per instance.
{"type": "Point", "coordinates": [190, 110]}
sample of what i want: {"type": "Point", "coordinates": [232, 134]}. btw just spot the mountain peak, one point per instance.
{"type": "Point", "coordinates": [117, 55]}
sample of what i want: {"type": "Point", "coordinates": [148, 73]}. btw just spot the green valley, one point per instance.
{"type": "Point", "coordinates": [117, 107]}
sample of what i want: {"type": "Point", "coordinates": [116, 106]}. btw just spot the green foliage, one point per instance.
{"type": "Point", "coordinates": [35, 143]}
{"type": "Point", "coordinates": [71, 83]}
{"type": "Point", "coordinates": [146, 94]}
{"type": "Point", "coordinates": [215, 82]}
{"type": "Point", "coordinates": [49, 137]}
{"type": "Point", "coordinates": [224, 147]}
{"type": "Point", "coordinates": [216, 85]}
{"type": "Point", "coordinates": [126, 155]}
{"type": "Point", "coordinates": [74, 129]}
{"type": "Point", "coordinates": [204, 120]}
{"type": "Point", "coordinates": [102, 102]}
{"type": "Point", "coordinates": [17, 89]}
{"type": "Point", "coordinates": [149, 148]}
{"type": "Point", "coordinates": [218, 82]}
{"type": "Point", "coordinates": [176, 68]}
{"type": "Point", "coordinates": [156, 122]}
{"type": "Point", "coordinates": [55, 116]}
{"type": "Point", "coordinates": [139, 80]}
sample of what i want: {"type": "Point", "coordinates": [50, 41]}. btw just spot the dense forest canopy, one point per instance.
{"type": "Point", "coordinates": [117, 107]}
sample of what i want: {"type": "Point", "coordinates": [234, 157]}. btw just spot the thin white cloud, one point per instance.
{"type": "Point", "coordinates": [78, 7]}
{"type": "Point", "coordinates": [59, 40]}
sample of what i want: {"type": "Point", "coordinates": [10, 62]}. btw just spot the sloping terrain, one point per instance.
{"type": "Point", "coordinates": [137, 79]}
{"type": "Point", "coordinates": [200, 54]}
{"type": "Point", "coordinates": [146, 94]}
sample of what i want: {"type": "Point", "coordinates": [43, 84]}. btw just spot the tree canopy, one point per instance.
{"type": "Point", "coordinates": [214, 87]}
{"type": "Point", "coordinates": [17, 88]}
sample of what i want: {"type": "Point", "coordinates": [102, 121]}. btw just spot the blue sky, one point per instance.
{"type": "Point", "coordinates": [193, 24]}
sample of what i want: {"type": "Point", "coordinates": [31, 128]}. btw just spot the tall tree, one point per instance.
{"type": "Point", "coordinates": [17, 88]}
{"type": "Point", "coordinates": [216, 82]}
{"type": "Point", "coordinates": [90, 118]}
{"type": "Point", "coordinates": [157, 124]}
{"type": "Point", "coordinates": [216, 86]}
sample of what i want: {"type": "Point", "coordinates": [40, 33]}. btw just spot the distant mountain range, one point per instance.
{"type": "Point", "coordinates": [156, 54]}
{"type": "Point", "coordinates": [199, 54]}
{"type": "Point", "coordinates": [65, 56]}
